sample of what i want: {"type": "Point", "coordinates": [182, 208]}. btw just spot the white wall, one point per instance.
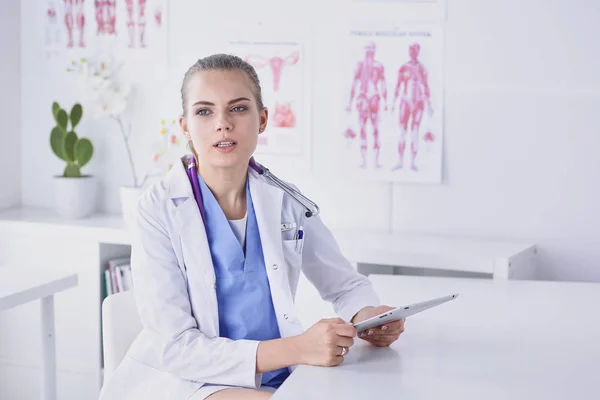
{"type": "Point", "coordinates": [10, 104]}
{"type": "Point", "coordinates": [522, 94]}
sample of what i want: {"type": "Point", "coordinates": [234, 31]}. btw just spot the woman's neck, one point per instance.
{"type": "Point", "coordinates": [228, 185]}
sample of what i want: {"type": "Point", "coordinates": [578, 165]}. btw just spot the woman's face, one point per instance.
{"type": "Point", "coordinates": [223, 119]}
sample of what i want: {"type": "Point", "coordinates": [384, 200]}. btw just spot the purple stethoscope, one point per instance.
{"type": "Point", "coordinates": [311, 207]}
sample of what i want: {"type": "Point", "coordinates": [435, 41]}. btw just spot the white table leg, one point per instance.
{"type": "Point", "coordinates": [48, 349]}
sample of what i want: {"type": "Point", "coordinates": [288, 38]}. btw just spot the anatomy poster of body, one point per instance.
{"type": "Point", "coordinates": [67, 29]}
{"type": "Point", "coordinates": [135, 31]}
{"type": "Point", "coordinates": [280, 68]}
{"type": "Point", "coordinates": [132, 30]}
{"type": "Point", "coordinates": [392, 103]}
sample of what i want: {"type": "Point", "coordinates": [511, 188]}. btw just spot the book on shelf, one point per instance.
{"type": "Point", "coordinates": [117, 276]}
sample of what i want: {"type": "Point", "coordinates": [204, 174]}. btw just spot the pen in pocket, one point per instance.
{"type": "Point", "coordinates": [298, 236]}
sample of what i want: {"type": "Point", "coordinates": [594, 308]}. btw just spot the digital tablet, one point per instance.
{"type": "Point", "coordinates": [401, 312]}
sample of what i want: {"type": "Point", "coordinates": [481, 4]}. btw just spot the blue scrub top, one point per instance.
{"type": "Point", "coordinates": [243, 293]}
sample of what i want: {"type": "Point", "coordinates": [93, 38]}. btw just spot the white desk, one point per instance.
{"type": "Point", "coordinates": [498, 340]}
{"type": "Point", "coordinates": [19, 286]}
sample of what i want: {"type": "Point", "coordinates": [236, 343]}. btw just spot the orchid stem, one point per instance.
{"type": "Point", "coordinates": [126, 140]}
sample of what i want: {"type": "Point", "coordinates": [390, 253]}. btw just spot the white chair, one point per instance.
{"type": "Point", "coordinates": [120, 326]}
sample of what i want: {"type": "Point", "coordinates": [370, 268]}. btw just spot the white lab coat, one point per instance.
{"type": "Point", "coordinates": [179, 348]}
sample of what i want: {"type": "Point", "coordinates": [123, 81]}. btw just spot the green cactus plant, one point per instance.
{"type": "Point", "coordinates": [75, 151]}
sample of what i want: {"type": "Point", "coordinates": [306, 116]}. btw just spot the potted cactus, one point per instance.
{"type": "Point", "coordinates": [75, 193]}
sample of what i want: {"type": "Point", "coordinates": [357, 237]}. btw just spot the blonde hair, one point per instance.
{"type": "Point", "coordinates": [221, 62]}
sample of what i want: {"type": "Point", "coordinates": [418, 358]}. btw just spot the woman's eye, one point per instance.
{"type": "Point", "coordinates": [202, 111]}
{"type": "Point", "coordinates": [239, 108]}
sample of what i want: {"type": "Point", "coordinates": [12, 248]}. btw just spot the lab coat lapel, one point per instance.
{"type": "Point", "coordinates": [268, 205]}
{"type": "Point", "coordinates": [192, 233]}
{"type": "Point", "coordinates": [267, 201]}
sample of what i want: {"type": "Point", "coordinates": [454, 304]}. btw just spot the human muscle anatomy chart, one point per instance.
{"type": "Point", "coordinates": [392, 102]}
{"type": "Point", "coordinates": [369, 78]}
{"type": "Point", "coordinates": [66, 29]}
{"type": "Point", "coordinates": [280, 68]}
{"type": "Point", "coordinates": [106, 17]}
{"type": "Point", "coordinates": [131, 31]}
{"type": "Point", "coordinates": [131, 18]}
{"type": "Point", "coordinates": [136, 22]}
{"type": "Point", "coordinates": [140, 23]}
{"type": "Point", "coordinates": [413, 88]}
{"type": "Point", "coordinates": [75, 22]}
{"type": "Point", "coordinates": [135, 32]}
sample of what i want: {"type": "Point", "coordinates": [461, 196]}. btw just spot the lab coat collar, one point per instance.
{"type": "Point", "coordinates": [266, 197]}
{"type": "Point", "coordinates": [179, 186]}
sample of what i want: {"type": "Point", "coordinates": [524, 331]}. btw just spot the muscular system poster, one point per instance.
{"type": "Point", "coordinates": [66, 27]}
{"type": "Point", "coordinates": [131, 31]}
{"type": "Point", "coordinates": [137, 33]}
{"type": "Point", "coordinates": [393, 104]}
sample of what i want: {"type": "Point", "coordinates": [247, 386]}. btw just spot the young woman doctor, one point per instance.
{"type": "Point", "coordinates": [215, 290]}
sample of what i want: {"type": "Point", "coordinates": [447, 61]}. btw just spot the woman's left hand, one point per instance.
{"type": "Point", "coordinates": [383, 335]}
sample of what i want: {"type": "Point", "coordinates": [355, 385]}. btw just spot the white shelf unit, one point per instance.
{"type": "Point", "coordinates": [32, 237]}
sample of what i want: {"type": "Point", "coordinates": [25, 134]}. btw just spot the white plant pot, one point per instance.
{"type": "Point", "coordinates": [75, 197]}
{"type": "Point", "coordinates": [129, 198]}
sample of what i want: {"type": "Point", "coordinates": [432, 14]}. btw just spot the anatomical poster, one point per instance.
{"type": "Point", "coordinates": [136, 32]}
{"type": "Point", "coordinates": [280, 66]}
{"type": "Point", "coordinates": [392, 103]}
{"type": "Point", "coordinates": [132, 31]}
{"type": "Point", "coordinates": [67, 29]}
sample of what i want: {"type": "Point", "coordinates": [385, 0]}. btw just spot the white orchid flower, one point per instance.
{"type": "Point", "coordinates": [101, 80]}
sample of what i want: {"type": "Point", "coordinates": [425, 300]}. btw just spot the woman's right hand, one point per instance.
{"type": "Point", "coordinates": [323, 343]}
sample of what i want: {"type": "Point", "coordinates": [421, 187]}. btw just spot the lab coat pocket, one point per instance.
{"type": "Point", "coordinates": [292, 251]}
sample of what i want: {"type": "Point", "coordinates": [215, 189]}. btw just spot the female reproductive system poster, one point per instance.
{"type": "Point", "coordinates": [392, 103]}
{"type": "Point", "coordinates": [281, 67]}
